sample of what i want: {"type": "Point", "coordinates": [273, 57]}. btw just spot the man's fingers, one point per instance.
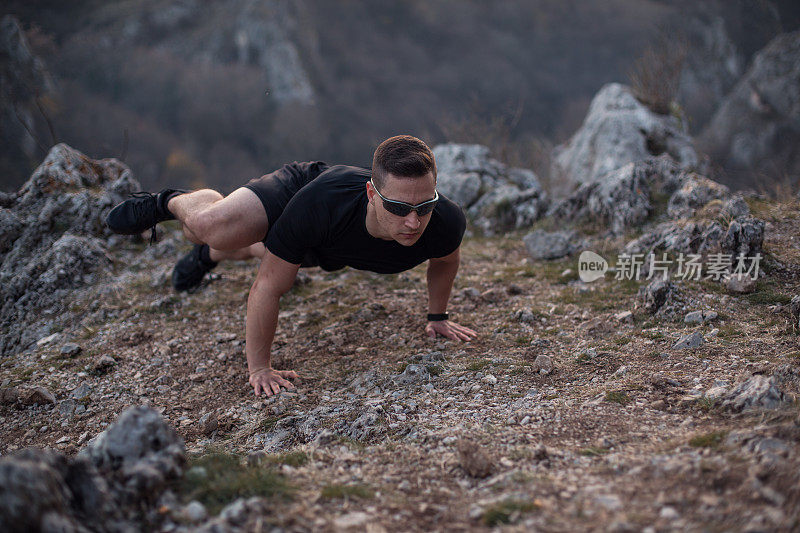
{"type": "Point", "coordinates": [287, 384]}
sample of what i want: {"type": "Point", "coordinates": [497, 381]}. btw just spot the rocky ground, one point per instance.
{"type": "Point", "coordinates": [572, 410]}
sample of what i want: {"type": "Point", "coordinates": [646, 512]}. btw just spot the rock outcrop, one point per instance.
{"type": "Point", "coordinates": [103, 489]}
{"type": "Point", "coordinates": [756, 128]}
{"type": "Point", "coordinates": [619, 130]}
{"type": "Point", "coordinates": [495, 197]}
{"type": "Point", "coordinates": [53, 238]}
{"type": "Point", "coordinates": [622, 198]}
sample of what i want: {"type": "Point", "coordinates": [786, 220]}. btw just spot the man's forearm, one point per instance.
{"type": "Point", "coordinates": [440, 276]}
{"type": "Point", "coordinates": [262, 319]}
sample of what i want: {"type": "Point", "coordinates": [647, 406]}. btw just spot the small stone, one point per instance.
{"type": "Point", "coordinates": [9, 396]}
{"type": "Point", "coordinates": [47, 340]}
{"type": "Point", "coordinates": [82, 391]}
{"type": "Point", "coordinates": [699, 317]}
{"type": "Point", "coordinates": [404, 485]}
{"type": "Point", "coordinates": [70, 349]}
{"type": "Point", "coordinates": [351, 521]}
{"type": "Point", "coordinates": [740, 284]}
{"type": "Point", "coordinates": [625, 317]}
{"type": "Point", "coordinates": [795, 310]}
{"type": "Point", "coordinates": [208, 424]}
{"type": "Point", "coordinates": [716, 392]}
{"type": "Point", "coordinates": [543, 364]}
{"type": "Point", "coordinates": [525, 420]}
{"type": "Point", "coordinates": [713, 333]}
{"type": "Point", "coordinates": [195, 512]}
{"type": "Point", "coordinates": [621, 371]}
{"type": "Point", "coordinates": [692, 340]}
{"type": "Point", "coordinates": [103, 364]}
{"type": "Point", "coordinates": [473, 459]}
{"type": "Point", "coordinates": [67, 407]}
{"type": "Point", "coordinates": [668, 513]}
{"type": "Point", "coordinates": [38, 396]}
{"type": "Point", "coordinates": [255, 457]}
{"type": "Point", "coordinates": [489, 379]}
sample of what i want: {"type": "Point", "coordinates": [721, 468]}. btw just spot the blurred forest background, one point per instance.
{"type": "Point", "coordinates": [200, 92]}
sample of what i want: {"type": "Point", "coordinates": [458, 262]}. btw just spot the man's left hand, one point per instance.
{"type": "Point", "coordinates": [449, 329]}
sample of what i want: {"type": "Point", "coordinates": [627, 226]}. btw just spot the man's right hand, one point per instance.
{"type": "Point", "coordinates": [269, 381]}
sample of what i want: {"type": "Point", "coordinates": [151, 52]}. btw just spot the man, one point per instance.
{"type": "Point", "coordinates": [386, 220]}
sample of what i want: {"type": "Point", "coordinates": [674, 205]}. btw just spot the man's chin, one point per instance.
{"type": "Point", "coordinates": [408, 239]}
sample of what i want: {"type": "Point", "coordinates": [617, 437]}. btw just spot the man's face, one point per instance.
{"type": "Point", "coordinates": [408, 229]}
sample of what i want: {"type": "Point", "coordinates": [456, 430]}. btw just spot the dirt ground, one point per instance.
{"type": "Point", "coordinates": [619, 435]}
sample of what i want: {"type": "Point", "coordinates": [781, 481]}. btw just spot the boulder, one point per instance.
{"type": "Point", "coordinates": [53, 238]}
{"type": "Point", "coordinates": [758, 392]}
{"type": "Point", "coordinates": [619, 130]}
{"type": "Point", "coordinates": [140, 452]}
{"type": "Point", "coordinates": [621, 198]}
{"type": "Point", "coordinates": [661, 298]}
{"type": "Point", "coordinates": [696, 192]}
{"type": "Point", "coordinates": [105, 488]}
{"type": "Point", "coordinates": [495, 197]}
{"type": "Point", "coordinates": [543, 244]}
{"type": "Point", "coordinates": [755, 128]}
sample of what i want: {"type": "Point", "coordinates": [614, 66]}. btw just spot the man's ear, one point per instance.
{"type": "Point", "coordinates": [370, 192]}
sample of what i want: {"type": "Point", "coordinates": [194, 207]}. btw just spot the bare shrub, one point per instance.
{"type": "Point", "coordinates": [656, 75]}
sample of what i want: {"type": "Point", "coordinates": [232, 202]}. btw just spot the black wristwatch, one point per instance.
{"type": "Point", "coordinates": [436, 317]}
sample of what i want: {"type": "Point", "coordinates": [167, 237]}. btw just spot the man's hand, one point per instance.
{"type": "Point", "coordinates": [270, 380]}
{"type": "Point", "coordinates": [451, 330]}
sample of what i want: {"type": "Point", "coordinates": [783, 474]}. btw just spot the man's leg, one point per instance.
{"type": "Point", "coordinates": [255, 250]}
{"type": "Point", "coordinates": [221, 228]}
{"type": "Point", "coordinates": [226, 224]}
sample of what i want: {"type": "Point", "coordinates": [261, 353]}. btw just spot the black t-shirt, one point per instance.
{"type": "Point", "coordinates": [324, 224]}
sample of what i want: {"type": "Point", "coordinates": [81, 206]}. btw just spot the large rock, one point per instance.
{"type": "Point", "coordinates": [139, 440]}
{"type": "Point", "coordinates": [53, 238]}
{"type": "Point", "coordinates": [619, 130]}
{"type": "Point", "coordinates": [621, 199]}
{"type": "Point", "coordinates": [758, 392]}
{"type": "Point", "coordinates": [696, 192]}
{"type": "Point", "coordinates": [99, 490]}
{"type": "Point", "coordinates": [543, 244]}
{"type": "Point", "coordinates": [755, 128]}
{"type": "Point", "coordinates": [495, 197]}
{"type": "Point", "coordinates": [743, 236]}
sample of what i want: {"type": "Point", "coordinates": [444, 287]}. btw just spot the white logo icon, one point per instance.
{"type": "Point", "coordinates": [591, 266]}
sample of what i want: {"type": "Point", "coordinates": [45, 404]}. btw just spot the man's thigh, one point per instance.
{"type": "Point", "coordinates": [241, 217]}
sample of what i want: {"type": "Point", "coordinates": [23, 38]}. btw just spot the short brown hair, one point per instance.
{"type": "Point", "coordinates": [404, 156]}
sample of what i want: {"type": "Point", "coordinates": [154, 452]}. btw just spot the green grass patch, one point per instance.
{"type": "Point", "coordinates": [339, 492]}
{"type": "Point", "coordinates": [478, 365]}
{"type": "Point", "coordinates": [507, 511]}
{"type": "Point", "coordinates": [295, 458]}
{"type": "Point", "coordinates": [765, 295]}
{"type": "Point", "coordinates": [708, 440]}
{"type": "Point", "coordinates": [225, 479]}
{"type": "Point", "coordinates": [594, 451]}
{"type": "Point", "coordinates": [434, 370]}
{"type": "Point", "coordinates": [622, 340]}
{"type": "Point", "coordinates": [706, 404]}
{"type": "Point", "coordinates": [617, 397]}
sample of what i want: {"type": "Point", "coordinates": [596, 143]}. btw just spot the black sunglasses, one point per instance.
{"type": "Point", "coordinates": [402, 209]}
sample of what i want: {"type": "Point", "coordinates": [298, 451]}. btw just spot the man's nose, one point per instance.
{"type": "Point", "coordinates": [412, 220]}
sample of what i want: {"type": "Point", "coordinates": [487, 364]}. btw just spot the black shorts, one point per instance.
{"type": "Point", "coordinates": [277, 188]}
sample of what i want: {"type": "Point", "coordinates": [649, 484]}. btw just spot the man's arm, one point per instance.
{"type": "Point", "coordinates": [441, 274]}
{"type": "Point", "coordinates": [275, 277]}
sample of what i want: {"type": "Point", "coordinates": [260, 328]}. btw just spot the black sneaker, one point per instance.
{"type": "Point", "coordinates": [141, 212]}
{"type": "Point", "coordinates": [190, 270]}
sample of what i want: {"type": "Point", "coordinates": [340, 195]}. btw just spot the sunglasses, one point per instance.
{"type": "Point", "coordinates": [402, 209]}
